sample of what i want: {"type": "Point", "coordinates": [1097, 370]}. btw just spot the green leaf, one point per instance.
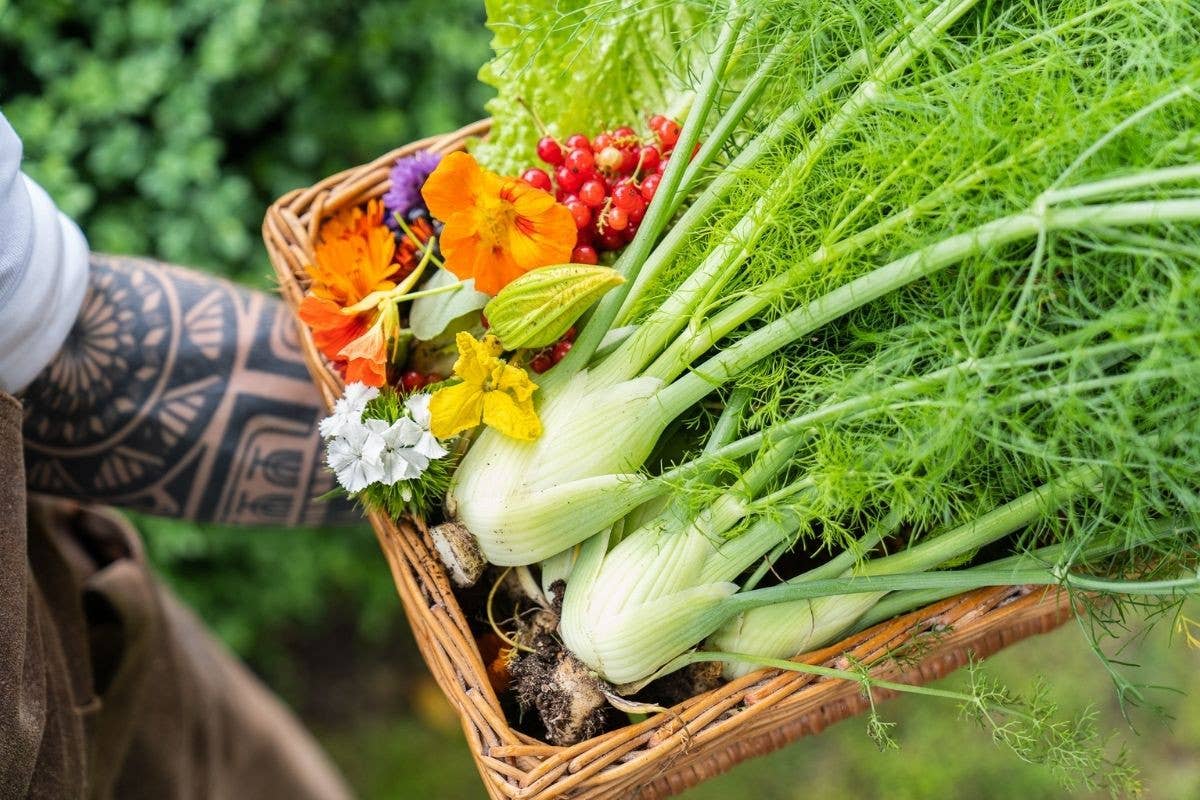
{"type": "Point", "coordinates": [431, 315]}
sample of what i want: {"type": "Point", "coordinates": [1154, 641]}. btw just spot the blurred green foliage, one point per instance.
{"type": "Point", "coordinates": [258, 588]}
{"type": "Point", "coordinates": [165, 127]}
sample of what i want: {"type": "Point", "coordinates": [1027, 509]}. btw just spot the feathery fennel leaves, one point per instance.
{"type": "Point", "coordinates": [950, 251]}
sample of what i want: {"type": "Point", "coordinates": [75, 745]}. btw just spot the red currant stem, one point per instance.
{"type": "Point", "coordinates": [637, 171]}
{"type": "Point", "coordinates": [537, 121]}
{"type": "Point", "coordinates": [602, 217]}
{"type": "Point", "coordinates": [657, 216]}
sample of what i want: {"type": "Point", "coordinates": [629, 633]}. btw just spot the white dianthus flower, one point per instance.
{"type": "Point", "coordinates": [348, 410]}
{"type": "Point", "coordinates": [400, 461]}
{"type": "Point", "coordinates": [418, 408]}
{"type": "Point", "coordinates": [427, 445]}
{"type": "Point", "coordinates": [355, 456]}
{"type": "Point", "coordinates": [362, 452]}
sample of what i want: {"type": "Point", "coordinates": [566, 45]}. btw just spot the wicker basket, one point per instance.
{"type": "Point", "coordinates": [697, 739]}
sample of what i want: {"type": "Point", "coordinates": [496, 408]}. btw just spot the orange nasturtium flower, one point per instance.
{"type": "Point", "coordinates": [353, 259]}
{"type": "Point", "coordinates": [492, 392]}
{"type": "Point", "coordinates": [367, 356]}
{"type": "Point", "coordinates": [496, 228]}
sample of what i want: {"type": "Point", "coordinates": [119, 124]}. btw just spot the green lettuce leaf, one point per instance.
{"type": "Point", "coordinates": [584, 66]}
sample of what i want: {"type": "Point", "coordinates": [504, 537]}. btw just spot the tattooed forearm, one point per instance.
{"type": "Point", "coordinates": [181, 395]}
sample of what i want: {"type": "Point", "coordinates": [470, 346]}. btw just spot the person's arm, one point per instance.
{"type": "Point", "coordinates": [180, 394]}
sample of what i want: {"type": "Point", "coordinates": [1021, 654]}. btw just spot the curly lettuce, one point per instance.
{"type": "Point", "coordinates": [582, 67]}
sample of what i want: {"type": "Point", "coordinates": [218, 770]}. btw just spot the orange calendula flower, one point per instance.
{"type": "Point", "coordinates": [496, 228]}
{"type": "Point", "coordinates": [492, 392]}
{"type": "Point", "coordinates": [354, 256]}
{"type": "Point", "coordinates": [353, 259]}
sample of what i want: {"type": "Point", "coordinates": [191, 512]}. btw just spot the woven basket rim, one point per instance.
{"type": "Point", "coordinates": [694, 740]}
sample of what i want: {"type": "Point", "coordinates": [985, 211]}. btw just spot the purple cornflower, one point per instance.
{"type": "Point", "coordinates": [408, 175]}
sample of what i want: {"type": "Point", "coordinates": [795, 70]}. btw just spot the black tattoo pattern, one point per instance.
{"type": "Point", "coordinates": [180, 395]}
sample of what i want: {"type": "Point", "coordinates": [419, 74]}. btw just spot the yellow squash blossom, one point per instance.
{"type": "Point", "coordinates": [492, 392]}
{"type": "Point", "coordinates": [496, 228]}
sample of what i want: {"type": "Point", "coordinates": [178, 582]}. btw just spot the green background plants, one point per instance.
{"type": "Point", "coordinates": [165, 129]}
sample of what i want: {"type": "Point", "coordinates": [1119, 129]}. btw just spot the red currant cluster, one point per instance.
{"type": "Point", "coordinates": [605, 182]}
{"type": "Point", "coordinates": [547, 357]}
{"type": "Point", "coordinates": [411, 380]}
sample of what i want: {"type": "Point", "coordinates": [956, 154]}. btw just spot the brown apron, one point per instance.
{"type": "Point", "coordinates": [109, 687]}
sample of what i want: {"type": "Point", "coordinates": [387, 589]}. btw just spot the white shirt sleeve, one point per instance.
{"type": "Point", "coordinates": [43, 271]}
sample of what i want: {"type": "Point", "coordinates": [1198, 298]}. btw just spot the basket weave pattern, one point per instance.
{"type": "Point", "coordinates": [697, 739]}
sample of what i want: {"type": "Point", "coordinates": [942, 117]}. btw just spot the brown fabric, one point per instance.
{"type": "Point", "coordinates": [109, 687]}
{"type": "Point", "coordinates": [41, 736]}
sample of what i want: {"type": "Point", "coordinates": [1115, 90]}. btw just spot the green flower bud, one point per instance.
{"type": "Point", "coordinates": [537, 308]}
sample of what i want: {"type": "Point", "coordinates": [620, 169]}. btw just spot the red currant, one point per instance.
{"type": "Point", "coordinates": [593, 192]}
{"type": "Point", "coordinates": [638, 210]}
{"type": "Point", "coordinates": [656, 122]}
{"type": "Point", "coordinates": [629, 160]}
{"type": "Point", "coordinates": [411, 380]}
{"type": "Point", "coordinates": [695, 150]}
{"type": "Point", "coordinates": [560, 351]}
{"type": "Point", "coordinates": [537, 178]}
{"type": "Point", "coordinates": [580, 212]}
{"type": "Point", "coordinates": [570, 334]}
{"type": "Point", "coordinates": [549, 150]}
{"type": "Point", "coordinates": [431, 379]}
{"type": "Point", "coordinates": [541, 363]}
{"type": "Point", "coordinates": [617, 218]}
{"type": "Point", "coordinates": [623, 134]}
{"type": "Point", "coordinates": [649, 157]}
{"type": "Point", "coordinates": [668, 133]}
{"type": "Point", "coordinates": [568, 179]}
{"type": "Point", "coordinates": [601, 141]}
{"type": "Point", "coordinates": [625, 195]}
{"type": "Point", "coordinates": [650, 186]}
{"type": "Point", "coordinates": [609, 159]}
{"type": "Point", "coordinates": [584, 254]}
{"type": "Point", "coordinates": [610, 239]}
{"type": "Point", "coordinates": [580, 160]}
{"type": "Point", "coordinates": [577, 141]}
